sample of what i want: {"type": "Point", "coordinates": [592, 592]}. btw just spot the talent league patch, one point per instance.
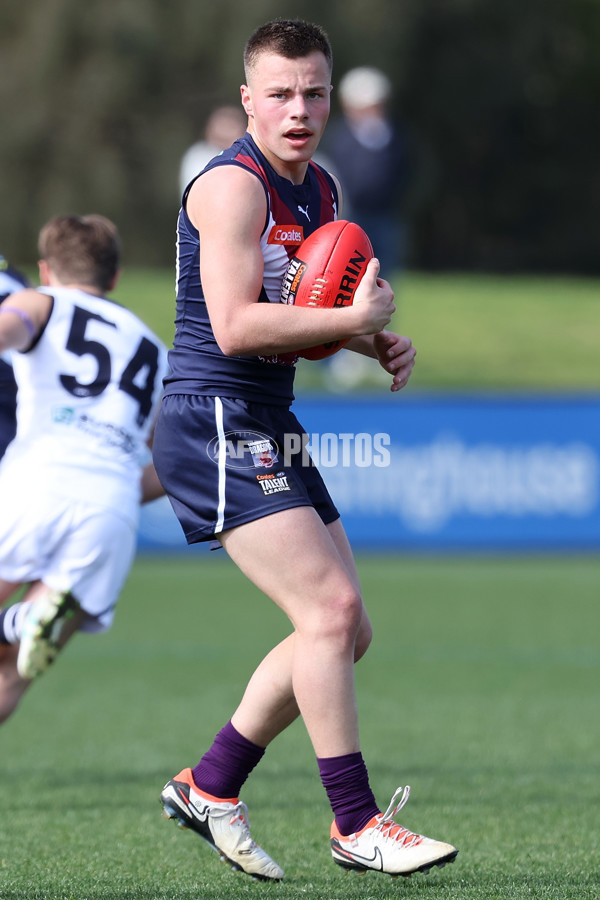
{"type": "Point", "coordinates": [273, 484]}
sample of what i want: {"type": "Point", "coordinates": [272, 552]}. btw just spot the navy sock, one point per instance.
{"type": "Point", "coordinates": [346, 780]}
{"type": "Point", "coordinates": [224, 768]}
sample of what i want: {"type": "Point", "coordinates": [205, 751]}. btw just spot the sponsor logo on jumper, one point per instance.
{"type": "Point", "coordinates": [290, 235]}
{"type": "Point", "coordinates": [273, 484]}
{"type": "Point", "coordinates": [64, 415]}
{"type": "Point", "coordinates": [304, 211]}
{"type": "Point", "coordinates": [352, 273]}
{"type": "Point", "coordinates": [243, 450]}
{"type": "Point", "coordinates": [291, 280]}
{"type": "Point", "coordinates": [105, 433]}
{"type": "Point", "coordinates": [108, 434]}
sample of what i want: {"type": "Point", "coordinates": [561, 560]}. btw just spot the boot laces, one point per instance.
{"type": "Point", "coordinates": [237, 815]}
{"type": "Point", "coordinates": [390, 829]}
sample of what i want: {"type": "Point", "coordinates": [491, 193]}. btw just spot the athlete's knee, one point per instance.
{"type": "Point", "coordinates": [341, 616]}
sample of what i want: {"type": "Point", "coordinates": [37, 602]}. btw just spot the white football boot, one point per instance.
{"type": "Point", "coordinates": [385, 846]}
{"type": "Point", "coordinates": [42, 631]}
{"type": "Point", "coordinates": [223, 824]}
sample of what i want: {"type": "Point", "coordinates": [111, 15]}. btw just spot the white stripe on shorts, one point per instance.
{"type": "Point", "coordinates": [222, 461]}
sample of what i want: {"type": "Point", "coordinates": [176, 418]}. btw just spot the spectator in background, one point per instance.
{"type": "Point", "coordinates": [10, 281]}
{"type": "Point", "coordinates": [224, 125]}
{"type": "Point", "coordinates": [367, 152]}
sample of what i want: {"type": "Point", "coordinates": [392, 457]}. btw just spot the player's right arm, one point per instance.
{"type": "Point", "coordinates": [228, 207]}
{"type": "Point", "coordinates": [22, 316]}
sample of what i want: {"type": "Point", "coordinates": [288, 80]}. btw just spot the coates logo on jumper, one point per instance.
{"type": "Point", "coordinates": [289, 235]}
{"type": "Point", "coordinates": [243, 450]}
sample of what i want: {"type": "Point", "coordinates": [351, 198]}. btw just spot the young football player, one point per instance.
{"type": "Point", "coordinates": [89, 376]}
{"type": "Point", "coordinates": [231, 382]}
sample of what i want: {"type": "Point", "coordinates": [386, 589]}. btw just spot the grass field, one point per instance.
{"type": "Point", "coordinates": [471, 331]}
{"type": "Point", "coordinates": [480, 690]}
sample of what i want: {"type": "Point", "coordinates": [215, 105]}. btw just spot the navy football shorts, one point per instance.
{"type": "Point", "coordinates": [225, 462]}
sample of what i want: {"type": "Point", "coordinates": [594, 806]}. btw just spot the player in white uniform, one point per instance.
{"type": "Point", "coordinates": [89, 375]}
{"type": "Point", "coordinates": [11, 280]}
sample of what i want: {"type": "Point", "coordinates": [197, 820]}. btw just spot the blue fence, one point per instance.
{"type": "Point", "coordinates": [447, 472]}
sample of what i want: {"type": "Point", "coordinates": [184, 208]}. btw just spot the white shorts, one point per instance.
{"type": "Point", "coordinates": [70, 546]}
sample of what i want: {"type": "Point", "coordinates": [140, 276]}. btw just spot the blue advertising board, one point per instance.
{"type": "Point", "coordinates": [449, 472]}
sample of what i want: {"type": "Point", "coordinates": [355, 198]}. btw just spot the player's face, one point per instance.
{"type": "Point", "coordinates": [287, 102]}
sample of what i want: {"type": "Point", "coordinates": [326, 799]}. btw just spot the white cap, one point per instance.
{"type": "Point", "coordinates": [364, 87]}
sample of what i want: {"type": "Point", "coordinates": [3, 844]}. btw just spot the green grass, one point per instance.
{"type": "Point", "coordinates": [471, 331]}
{"type": "Point", "coordinates": [503, 332]}
{"type": "Point", "coordinates": [480, 690]}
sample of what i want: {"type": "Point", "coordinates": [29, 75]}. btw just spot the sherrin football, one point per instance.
{"type": "Point", "coordinates": [325, 272]}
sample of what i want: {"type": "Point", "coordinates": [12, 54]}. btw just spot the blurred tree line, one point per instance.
{"type": "Point", "coordinates": [100, 100]}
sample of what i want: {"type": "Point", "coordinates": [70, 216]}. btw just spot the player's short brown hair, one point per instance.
{"type": "Point", "coordinates": [291, 38]}
{"type": "Point", "coordinates": [81, 250]}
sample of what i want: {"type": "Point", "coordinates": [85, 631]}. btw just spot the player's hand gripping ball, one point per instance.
{"type": "Point", "coordinates": [325, 272]}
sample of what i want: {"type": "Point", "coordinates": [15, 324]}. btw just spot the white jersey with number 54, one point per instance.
{"type": "Point", "coordinates": [88, 393]}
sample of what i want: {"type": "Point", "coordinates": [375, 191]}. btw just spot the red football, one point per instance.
{"type": "Point", "coordinates": [325, 272]}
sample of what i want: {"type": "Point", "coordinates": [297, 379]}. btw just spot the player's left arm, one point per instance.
{"type": "Point", "coordinates": [394, 352]}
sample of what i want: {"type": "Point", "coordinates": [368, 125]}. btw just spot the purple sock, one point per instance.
{"type": "Point", "coordinates": [346, 780]}
{"type": "Point", "coordinates": [225, 767]}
